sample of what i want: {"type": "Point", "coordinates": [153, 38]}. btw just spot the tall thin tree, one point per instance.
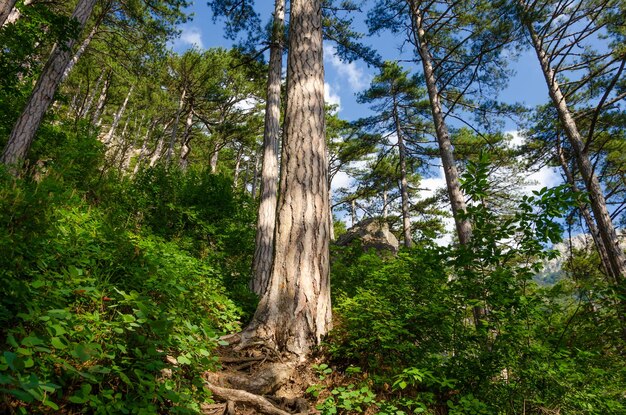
{"type": "Point", "coordinates": [29, 121]}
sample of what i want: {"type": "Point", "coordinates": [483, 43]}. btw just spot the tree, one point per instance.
{"type": "Point", "coordinates": [558, 33]}
{"type": "Point", "coordinates": [24, 131]}
{"type": "Point", "coordinates": [294, 313]}
{"type": "Point", "coordinates": [6, 6]}
{"type": "Point", "coordinates": [264, 245]}
{"type": "Point", "coordinates": [399, 105]}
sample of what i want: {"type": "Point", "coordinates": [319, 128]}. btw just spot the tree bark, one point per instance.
{"type": "Point", "coordinates": [170, 149]}
{"type": "Point", "coordinates": [28, 123]}
{"type": "Point", "coordinates": [95, 120]}
{"type": "Point", "coordinates": [404, 185]}
{"type": "Point", "coordinates": [591, 225]}
{"type": "Point", "coordinates": [457, 200]}
{"type": "Point", "coordinates": [294, 313]}
{"type": "Point", "coordinates": [117, 117]}
{"type": "Point", "coordinates": [606, 228]}
{"type": "Point", "coordinates": [83, 47]}
{"type": "Point", "coordinates": [266, 219]}
{"type": "Point", "coordinates": [6, 7]}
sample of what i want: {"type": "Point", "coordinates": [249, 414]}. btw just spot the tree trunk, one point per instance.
{"type": "Point", "coordinates": [457, 200]}
{"type": "Point", "coordinates": [404, 185]}
{"type": "Point", "coordinates": [6, 7]}
{"type": "Point", "coordinates": [255, 176]}
{"type": "Point", "coordinates": [237, 167]}
{"type": "Point", "coordinates": [606, 229]}
{"type": "Point", "coordinates": [117, 117]}
{"type": "Point", "coordinates": [591, 225]}
{"type": "Point", "coordinates": [95, 120]}
{"type": "Point", "coordinates": [185, 148]}
{"type": "Point", "coordinates": [144, 148]}
{"type": "Point", "coordinates": [214, 157]}
{"type": "Point", "coordinates": [264, 243]}
{"type": "Point", "coordinates": [294, 313]}
{"type": "Point", "coordinates": [28, 123]}
{"type": "Point", "coordinates": [385, 202]}
{"type": "Point", "coordinates": [90, 97]}
{"type": "Point", "coordinates": [83, 47]}
{"type": "Point", "coordinates": [170, 149]}
{"type": "Point", "coordinates": [14, 14]}
{"type": "Point", "coordinates": [353, 212]}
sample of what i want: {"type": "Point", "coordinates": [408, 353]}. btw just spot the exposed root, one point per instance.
{"type": "Point", "coordinates": [240, 396]}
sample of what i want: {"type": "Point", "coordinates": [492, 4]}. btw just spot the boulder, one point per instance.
{"type": "Point", "coordinates": [372, 233]}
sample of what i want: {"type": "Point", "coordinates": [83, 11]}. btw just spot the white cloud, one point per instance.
{"type": "Point", "coordinates": [331, 97]}
{"type": "Point", "coordinates": [341, 179]}
{"type": "Point", "coordinates": [355, 76]}
{"type": "Point", "coordinates": [190, 36]}
{"type": "Point", "coordinates": [545, 177]}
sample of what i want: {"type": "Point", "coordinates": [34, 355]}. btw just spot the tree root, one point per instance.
{"type": "Point", "coordinates": [240, 396]}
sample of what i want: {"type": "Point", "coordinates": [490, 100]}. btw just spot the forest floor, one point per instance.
{"type": "Point", "coordinates": [257, 380]}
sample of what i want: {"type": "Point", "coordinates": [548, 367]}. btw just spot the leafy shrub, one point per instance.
{"type": "Point", "coordinates": [98, 315]}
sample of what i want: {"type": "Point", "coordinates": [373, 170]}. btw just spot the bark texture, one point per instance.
{"type": "Point", "coordinates": [6, 7]}
{"type": "Point", "coordinates": [29, 121]}
{"type": "Point", "coordinates": [294, 313]}
{"type": "Point", "coordinates": [457, 200]}
{"type": "Point", "coordinates": [606, 229]}
{"type": "Point", "coordinates": [264, 244]}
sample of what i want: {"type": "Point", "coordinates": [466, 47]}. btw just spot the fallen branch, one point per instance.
{"type": "Point", "coordinates": [240, 396]}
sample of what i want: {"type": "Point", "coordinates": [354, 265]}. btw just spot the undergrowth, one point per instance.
{"type": "Point", "coordinates": [115, 291]}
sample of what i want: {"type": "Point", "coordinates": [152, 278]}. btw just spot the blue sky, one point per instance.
{"type": "Point", "coordinates": [344, 80]}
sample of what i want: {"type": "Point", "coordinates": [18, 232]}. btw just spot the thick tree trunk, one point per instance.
{"type": "Point", "coordinates": [6, 7]}
{"type": "Point", "coordinates": [463, 226]}
{"type": "Point", "coordinates": [117, 117]}
{"type": "Point", "coordinates": [606, 229]}
{"type": "Point", "coordinates": [264, 243]}
{"type": "Point", "coordinates": [294, 313]}
{"type": "Point", "coordinates": [28, 123]}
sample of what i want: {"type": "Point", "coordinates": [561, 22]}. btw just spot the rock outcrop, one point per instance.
{"type": "Point", "coordinates": [372, 233]}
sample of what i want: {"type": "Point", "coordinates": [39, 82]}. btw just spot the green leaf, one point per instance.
{"type": "Point", "coordinates": [57, 343]}
{"type": "Point", "coordinates": [51, 404]}
{"type": "Point", "coordinates": [183, 360]}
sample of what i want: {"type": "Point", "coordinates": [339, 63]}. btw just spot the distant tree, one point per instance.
{"type": "Point", "coordinates": [561, 33]}
{"type": "Point", "coordinates": [400, 106]}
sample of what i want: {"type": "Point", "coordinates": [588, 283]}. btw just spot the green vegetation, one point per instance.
{"type": "Point", "coordinates": [128, 212]}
